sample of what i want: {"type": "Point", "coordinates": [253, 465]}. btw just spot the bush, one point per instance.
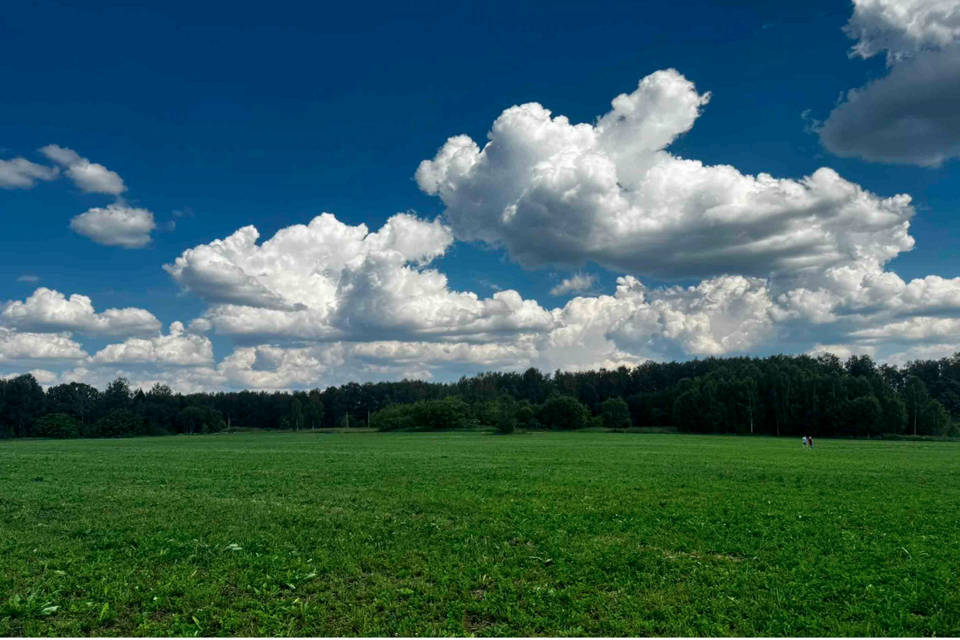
{"type": "Point", "coordinates": [527, 416]}
{"type": "Point", "coordinates": [201, 420]}
{"type": "Point", "coordinates": [118, 424]}
{"type": "Point", "coordinates": [507, 418]}
{"type": "Point", "coordinates": [616, 414]}
{"type": "Point", "coordinates": [435, 415]}
{"type": "Point", "coordinates": [56, 425]}
{"type": "Point", "coordinates": [563, 413]}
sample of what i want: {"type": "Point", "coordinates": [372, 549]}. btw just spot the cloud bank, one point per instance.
{"type": "Point", "coordinates": [781, 265]}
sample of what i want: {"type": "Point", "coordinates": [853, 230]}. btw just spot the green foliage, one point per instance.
{"type": "Point", "coordinates": [120, 423]}
{"type": "Point", "coordinates": [563, 413]}
{"type": "Point", "coordinates": [456, 534]}
{"type": "Point", "coordinates": [434, 415]}
{"type": "Point", "coordinates": [56, 425]}
{"type": "Point", "coordinates": [616, 414]}
{"type": "Point", "coordinates": [198, 419]}
{"type": "Point", "coordinates": [506, 416]}
{"type": "Point", "coordinates": [777, 395]}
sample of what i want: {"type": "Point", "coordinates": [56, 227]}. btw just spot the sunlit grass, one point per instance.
{"type": "Point", "coordinates": [453, 534]}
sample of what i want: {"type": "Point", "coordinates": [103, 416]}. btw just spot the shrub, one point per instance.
{"type": "Point", "coordinates": [564, 413]}
{"type": "Point", "coordinates": [120, 423]}
{"type": "Point", "coordinates": [201, 420]}
{"type": "Point", "coordinates": [507, 418]}
{"type": "Point", "coordinates": [398, 417]}
{"type": "Point", "coordinates": [527, 416]}
{"type": "Point", "coordinates": [56, 425]}
{"type": "Point", "coordinates": [435, 415]}
{"type": "Point", "coordinates": [616, 414]}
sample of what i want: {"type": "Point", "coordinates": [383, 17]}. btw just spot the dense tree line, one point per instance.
{"type": "Point", "coordinates": [778, 395]}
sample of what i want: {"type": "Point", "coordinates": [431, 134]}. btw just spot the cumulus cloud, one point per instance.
{"type": "Point", "coordinates": [90, 177]}
{"type": "Point", "coordinates": [117, 225]}
{"type": "Point", "coordinates": [27, 346]}
{"type": "Point", "coordinates": [908, 116]}
{"type": "Point", "coordinates": [902, 27]}
{"type": "Point", "coordinates": [552, 192]}
{"type": "Point", "coordinates": [176, 348]}
{"type": "Point", "coordinates": [332, 281]}
{"type": "Point", "coordinates": [20, 173]}
{"type": "Point", "coordinates": [787, 265]}
{"type": "Point", "coordinates": [47, 310]}
{"type": "Point", "coordinates": [578, 283]}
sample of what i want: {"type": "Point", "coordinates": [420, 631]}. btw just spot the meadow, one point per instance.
{"type": "Point", "coordinates": [326, 534]}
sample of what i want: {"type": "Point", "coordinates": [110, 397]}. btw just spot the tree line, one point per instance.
{"type": "Point", "coordinates": [777, 395]}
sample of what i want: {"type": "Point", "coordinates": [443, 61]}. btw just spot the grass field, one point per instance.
{"type": "Point", "coordinates": [454, 534]}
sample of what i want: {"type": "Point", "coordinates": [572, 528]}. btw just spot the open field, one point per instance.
{"type": "Point", "coordinates": [441, 534]}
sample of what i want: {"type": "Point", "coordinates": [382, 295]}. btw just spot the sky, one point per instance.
{"type": "Point", "coordinates": [292, 196]}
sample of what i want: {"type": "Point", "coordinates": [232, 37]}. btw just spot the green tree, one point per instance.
{"type": "Point", "coordinates": [506, 415]}
{"type": "Point", "coordinates": [23, 401]}
{"type": "Point", "coordinates": [916, 398]}
{"type": "Point", "coordinates": [686, 411]}
{"type": "Point", "coordinates": [56, 425]}
{"type": "Point", "coordinates": [121, 423]}
{"type": "Point", "coordinates": [314, 409]}
{"type": "Point", "coordinates": [615, 413]}
{"type": "Point", "coordinates": [563, 413]}
{"type": "Point", "coordinates": [296, 414]}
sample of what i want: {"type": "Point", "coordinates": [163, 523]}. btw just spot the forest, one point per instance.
{"type": "Point", "coordinates": [778, 395]}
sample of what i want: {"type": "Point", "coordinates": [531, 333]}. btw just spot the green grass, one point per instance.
{"type": "Point", "coordinates": [451, 534]}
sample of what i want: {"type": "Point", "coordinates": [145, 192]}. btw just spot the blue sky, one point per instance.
{"type": "Point", "coordinates": [270, 116]}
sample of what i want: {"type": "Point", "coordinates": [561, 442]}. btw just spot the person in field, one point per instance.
{"type": "Point", "coordinates": [810, 441]}
{"type": "Point", "coordinates": [804, 442]}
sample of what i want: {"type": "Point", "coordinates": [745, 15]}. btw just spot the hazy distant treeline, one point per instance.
{"type": "Point", "coordinates": [777, 395]}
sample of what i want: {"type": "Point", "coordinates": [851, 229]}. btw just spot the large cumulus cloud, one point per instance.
{"type": "Point", "coordinates": [553, 192]}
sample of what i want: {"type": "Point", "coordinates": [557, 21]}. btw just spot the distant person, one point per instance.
{"type": "Point", "coordinates": [810, 441]}
{"type": "Point", "coordinates": [804, 442]}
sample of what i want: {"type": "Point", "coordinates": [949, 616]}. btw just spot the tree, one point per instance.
{"type": "Point", "coordinates": [615, 413]}
{"type": "Point", "coordinates": [862, 416]}
{"type": "Point", "coordinates": [121, 423]}
{"type": "Point", "coordinates": [197, 419]}
{"type": "Point", "coordinates": [314, 409]}
{"type": "Point", "coordinates": [56, 425]}
{"type": "Point", "coordinates": [506, 415]}
{"type": "Point", "coordinates": [916, 398]}
{"type": "Point", "coordinates": [116, 397]}
{"type": "Point", "coordinates": [563, 413]}
{"type": "Point", "coordinates": [686, 411]}
{"type": "Point", "coordinates": [296, 414]}
{"type": "Point", "coordinates": [76, 398]}
{"type": "Point", "coordinates": [894, 413]}
{"type": "Point", "coordinates": [23, 402]}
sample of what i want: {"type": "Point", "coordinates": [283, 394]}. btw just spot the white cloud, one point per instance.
{"type": "Point", "coordinates": [117, 225]}
{"type": "Point", "coordinates": [177, 348]}
{"type": "Point", "coordinates": [330, 281]}
{"type": "Point", "coordinates": [47, 310]}
{"type": "Point", "coordinates": [903, 27]}
{"type": "Point", "coordinates": [90, 177]}
{"type": "Point", "coordinates": [17, 346]}
{"type": "Point", "coordinates": [551, 192]}
{"type": "Point", "coordinates": [578, 283]}
{"type": "Point", "coordinates": [20, 173]}
{"type": "Point", "coordinates": [909, 116]}
{"type": "Point", "coordinates": [28, 278]}
{"type": "Point", "coordinates": [42, 376]}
